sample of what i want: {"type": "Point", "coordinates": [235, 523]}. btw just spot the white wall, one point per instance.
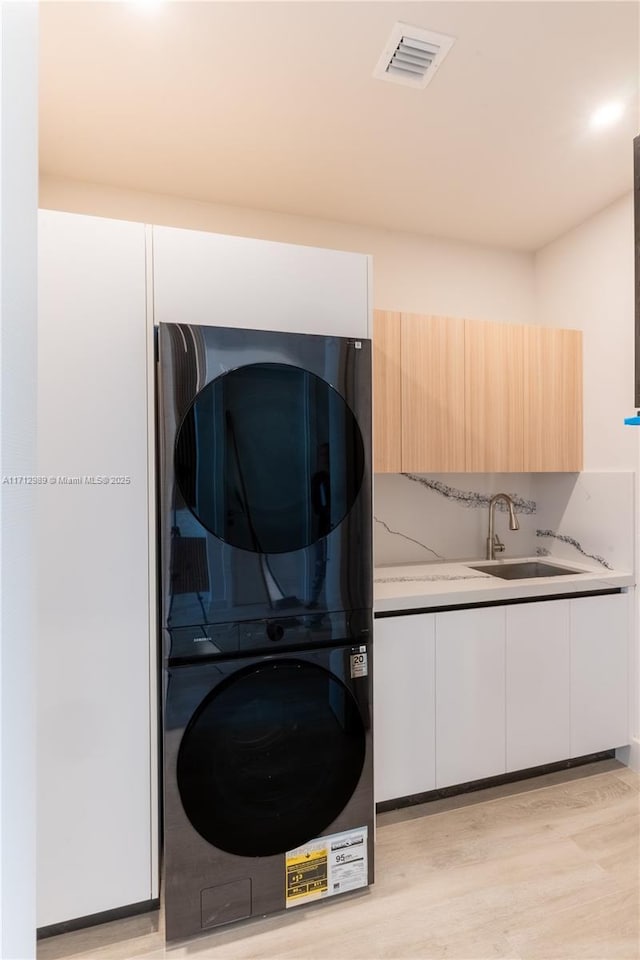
{"type": "Point", "coordinates": [584, 280]}
{"type": "Point", "coordinates": [18, 202]}
{"type": "Point", "coordinates": [410, 272]}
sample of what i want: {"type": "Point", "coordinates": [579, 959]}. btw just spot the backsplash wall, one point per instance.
{"type": "Point", "coordinates": [585, 517]}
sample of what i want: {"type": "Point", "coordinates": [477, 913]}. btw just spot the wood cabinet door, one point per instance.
{"type": "Point", "coordinates": [599, 673]}
{"type": "Point", "coordinates": [537, 683]}
{"type": "Point", "coordinates": [552, 399]}
{"type": "Point", "coordinates": [387, 392]}
{"type": "Point", "coordinates": [433, 417]}
{"type": "Point", "coordinates": [494, 397]}
{"type": "Point", "coordinates": [404, 708]}
{"type": "Point", "coordinates": [470, 695]}
{"type": "Point", "coordinates": [473, 396]}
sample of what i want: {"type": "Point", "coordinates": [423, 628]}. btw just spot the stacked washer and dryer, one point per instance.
{"type": "Point", "coordinates": [266, 616]}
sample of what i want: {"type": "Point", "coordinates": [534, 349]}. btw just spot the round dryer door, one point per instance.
{"type": "Point", "coordinates": [269, 458]}
{"type": "Point", "coordinates": [270, 758]}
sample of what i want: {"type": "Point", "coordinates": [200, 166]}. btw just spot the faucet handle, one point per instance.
{"type": "Point", "coordinates": [498, 545]}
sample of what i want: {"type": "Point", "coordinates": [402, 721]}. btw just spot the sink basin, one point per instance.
{"type": "Point", "coordinates": [525, 570]}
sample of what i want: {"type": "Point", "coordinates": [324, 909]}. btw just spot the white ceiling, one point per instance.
{"type": "Point", "coordinates": [273, 106]}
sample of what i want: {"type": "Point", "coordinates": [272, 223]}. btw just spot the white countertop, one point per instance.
{"type": "Point", "coordinates": [426, 585]}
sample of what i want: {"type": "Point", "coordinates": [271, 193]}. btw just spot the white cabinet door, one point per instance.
{"type": "Point", "coordinates": [93, 750]}
{"type": "Point", "coordinates": [538, 683]}
{"type": "Point", "coordinates": [470, 695]}
{"type": "Point", "coordinates": [599, 673]}
{"type": "Point", "coordinates": [403, 703]}
{"type": "Point", "coordinates": [209, 278]}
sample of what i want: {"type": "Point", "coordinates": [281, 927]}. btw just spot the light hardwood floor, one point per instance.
{"type": "Point", "coordinates": [546, 869]}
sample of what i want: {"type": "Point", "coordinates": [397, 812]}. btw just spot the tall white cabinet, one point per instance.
{"type": "Point", "coordinates": [94, 790]}
{"type": "Point", "coordinates": [209, 278]}
{"type": "Point", "coordinates": [102, 285]}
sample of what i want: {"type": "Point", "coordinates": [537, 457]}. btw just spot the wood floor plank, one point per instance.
{"type": "Point", "coordinates": [614, 843]}
{"type": "Point", "coordinates": [603, 929]}
{"type": "Point", "coordinates": [534, 874]}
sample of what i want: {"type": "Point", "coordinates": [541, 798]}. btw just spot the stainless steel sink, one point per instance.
{"type": "Point", "coordinates": [525, 570]}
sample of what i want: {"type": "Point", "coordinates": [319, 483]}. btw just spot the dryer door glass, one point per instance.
{"type": "Point", "coordinates": [270, 758]}
{"type": "Point", "coordinates": [269, 458]}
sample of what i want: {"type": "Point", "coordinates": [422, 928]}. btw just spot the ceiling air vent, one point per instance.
{"type": "Point", "coordinates": [412, 55]}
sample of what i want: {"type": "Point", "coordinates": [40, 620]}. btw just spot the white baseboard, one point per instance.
{"type": "Point", "coordinates": [630, 755]}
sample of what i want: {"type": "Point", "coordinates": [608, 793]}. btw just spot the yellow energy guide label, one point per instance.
{"type": "Point", "coordinates": [326, 866]}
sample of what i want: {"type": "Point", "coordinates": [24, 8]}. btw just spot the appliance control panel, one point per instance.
{"type": "Point", "coordinates": [184, 644]}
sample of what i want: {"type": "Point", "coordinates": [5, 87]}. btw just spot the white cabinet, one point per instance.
{"type": "Point", "coordinates": [404, 705]}
{"type": "Point", "coordinates": [94, 758]}
{"type": "Point", "coordinates": [599, 673]}
{"type": "Point", "coordinates": [537, 683]}
{"type": "Point", "coordinates": [96, 713]}
{"type": "Point", "coordinates": [470, 695]}
{"type": "Point", "coordinates": [208, 278]}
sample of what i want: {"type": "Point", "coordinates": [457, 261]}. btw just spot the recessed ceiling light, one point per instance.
{"type": "Point", "coordinates": [607, 115]}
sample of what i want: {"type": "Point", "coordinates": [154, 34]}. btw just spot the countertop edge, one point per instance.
{"type": "Point", "coordinates": [493, 590]}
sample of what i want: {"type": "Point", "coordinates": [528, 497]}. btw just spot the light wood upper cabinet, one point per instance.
{"type": "Point", "coordinates": [433, 427]}
{"type": "Point", "coordinates": [387, 392]}
{"type": "Point", "coordinates": [472, 396]}
{"type": "Point", "coordinates": [494, 397]}
{"type": "Point", "coordinates": [553, 399]}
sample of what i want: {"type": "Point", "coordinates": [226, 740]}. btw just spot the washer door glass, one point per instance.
{"type": "Point", "coordinates": [269, 458]}
{"type": "Point", "coordinates": [270, 758]}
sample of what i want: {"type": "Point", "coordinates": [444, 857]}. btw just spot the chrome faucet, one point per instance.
{"type": "Point", "coordinates": [493, 541]}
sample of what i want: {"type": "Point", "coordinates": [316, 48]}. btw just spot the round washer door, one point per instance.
{"type": "Point", "coordinates": [269, 458]}
{"type": "Point", "coordinates": [270, 758]}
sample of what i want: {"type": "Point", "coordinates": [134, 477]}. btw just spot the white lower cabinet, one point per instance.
{"type": "Point", "coordinates": [404, 733]}
{"type": "Point", "coordinates": [538, 678]}
{"type": "Point", "coordinates": [470, 695]}
{"type": "Point", "coordinates": [599, 673]}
